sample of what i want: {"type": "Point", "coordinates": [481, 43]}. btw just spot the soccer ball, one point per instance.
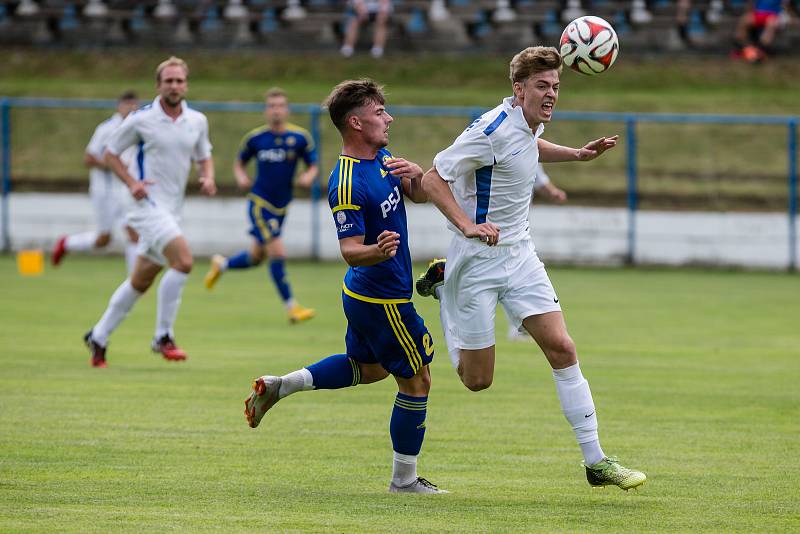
{"type": "Point", "coordinates": [589, 45]}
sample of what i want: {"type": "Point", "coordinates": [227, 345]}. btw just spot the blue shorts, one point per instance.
{"type": "Point", "coordinates": [393, 335]}
{"type": "Point", "coordinates": [266, 220]}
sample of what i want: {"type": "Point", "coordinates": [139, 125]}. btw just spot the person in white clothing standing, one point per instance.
{"type": "Point", "coordinates": [171, 136]}
{"type": "Point", "coordinates": [482, 183]}
{"type": "Point", "coordinates": [106, 192]}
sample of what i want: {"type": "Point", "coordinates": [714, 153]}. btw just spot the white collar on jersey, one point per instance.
{"type": "Point", "coordinates": [516, 115]}
{"type": "Point", "coordinates": [157, 105]}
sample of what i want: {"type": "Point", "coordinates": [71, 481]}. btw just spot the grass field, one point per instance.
{"type": "Point", "coordinates": [694, 375]}
{"type": "Point", "coordinates": [681, 166]}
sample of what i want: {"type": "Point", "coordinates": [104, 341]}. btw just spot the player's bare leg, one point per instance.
{"type": "Point", "coordinates": [476, 368]}
{"type": "Point", "coordinates": [550, 332]}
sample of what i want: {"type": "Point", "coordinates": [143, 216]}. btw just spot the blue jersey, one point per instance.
{"type": "Point", "coordinates": [276, 160]}
{"type": "Point", "coordinates": [366, 200]}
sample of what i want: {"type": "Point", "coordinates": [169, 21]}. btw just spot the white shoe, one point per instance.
{"type": "Point", "coordinates": [420, 485]}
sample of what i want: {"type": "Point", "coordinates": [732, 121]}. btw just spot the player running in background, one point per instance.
{"type": "Point", "coordinates": [482, 183]}
{"type": "Point", "coordinates": [277, 147]}
{"type": "Point", "coordinates": [384, 332]}
{"type": "Point", "coordinates": [171, 135]}
{"type": "Point", "coordinates": [108, 195]}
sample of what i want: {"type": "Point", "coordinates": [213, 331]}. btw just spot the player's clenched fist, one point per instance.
{"type": "Point", "coordinates": [388, 242]}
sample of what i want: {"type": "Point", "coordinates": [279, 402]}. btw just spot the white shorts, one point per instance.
{"type": "Point", "coordinates": [109, 198]}
{"type": "Point", "coordinates": [156, 228]}
{"type": "Point", "coordinates": [478, 276]}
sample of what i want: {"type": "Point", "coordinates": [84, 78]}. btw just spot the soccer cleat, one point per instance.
{"type": "Point", "coordinates": [168, 349]}
{"type": "Point", "coordinates": [263, 397]}
{"type": "Point", "coordinates": [215, 271]}
{"type": "Point", "coordinates": [608, 472]}
{"type": "Point", "coordinates": [431, 279]}
{"type": "Point", "coordinates": [98, 352]}
{"type": "Point", "coordinates": [298, 314]}
{"type": "Point", "coordinates": [59, 251]}
{"type": "Point", "coordinates": [420, 485]}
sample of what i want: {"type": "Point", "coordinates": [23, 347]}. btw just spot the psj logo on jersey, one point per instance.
{"type": "Point", "coordinates": [271, 155]}
{"type": "Point", "coordinates": [391, 203]}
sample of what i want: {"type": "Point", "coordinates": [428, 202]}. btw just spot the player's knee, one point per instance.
{"type": "Point", "coordinates": [183, 264]}
{"type": "Point", "coordinates": [102, 240]}
{"type": "Point", "coordinates": [477, 383]}
{"type": "Point", "coordinates": [562, 351]}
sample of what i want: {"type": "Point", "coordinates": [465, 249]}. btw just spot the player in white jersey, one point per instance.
{"type": "Point", "coordinates": [108, 195]}
{"type": "Point", "coordinates": [482, 183]}
{"type": "Point", "coordinates": [171, 136]}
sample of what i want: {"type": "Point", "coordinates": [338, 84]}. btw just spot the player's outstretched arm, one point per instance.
{"type": "Point", "coordinates": [357, 254]}
{"type": "Point", "coordinates": [440, 194]}
{"type": "Point", "coordinates": [410, 175]}
{"type": "Point", "coordinates": [553, 153]}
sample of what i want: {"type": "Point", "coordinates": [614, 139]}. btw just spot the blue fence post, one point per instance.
{"type": "Point", "coordinates": [315, 186]}
{"type": "Point", "coordinates": [5, 132]}
{"type": "Point", "coordinates": [633, 194]}
{"type": "Point", "coordinates": [792, 146]}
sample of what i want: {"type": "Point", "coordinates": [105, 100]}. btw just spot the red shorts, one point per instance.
{"type": "Point", "coordinates": [761, 18]}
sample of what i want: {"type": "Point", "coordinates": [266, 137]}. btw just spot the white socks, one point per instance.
{"type": "Point", "coordinates": [130, 256]}
{"type": "Point", "coordinates": [169, 299]}
{"type": "Point", "coordinates": [119, 305]}
{"type": "Point", "coordinates": [404, 469]}
{"type": "Point", "coordinates": [300, 380]}
{"type": "Point", "coordinates": [82, 241]}
{"type": "Point", "coordinates": [578, 407]}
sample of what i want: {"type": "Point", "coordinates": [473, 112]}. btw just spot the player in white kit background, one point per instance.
{"type": "Point", "coordinates": [108, 195]}
{"type": "Point", "coordinates": [483, 183]}
{"type": "Point", "coordinates": [171, 136]}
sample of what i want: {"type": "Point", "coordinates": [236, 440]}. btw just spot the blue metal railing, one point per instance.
{"type": "Point", "coordinates": [469, 113]}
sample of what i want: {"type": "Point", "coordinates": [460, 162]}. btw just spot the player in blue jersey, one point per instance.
{"type": "Point", "coordinates": [385, 335]}
{"type": "Point", "coordinates": [277, 147]}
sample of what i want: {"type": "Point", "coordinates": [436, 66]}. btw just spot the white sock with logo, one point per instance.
{"type": "Point", "coordinates": [83, 241]}
{"type": "Point", "coordinates": [169, 300]}
{"type": "Point", "coordinates": [300, 380]}
{"type": "Point", "coordinates": [119, 305]}
{"type": "Point", "coordinates": [404, 469]}
{"type": "Point", "coordinates": [578, 407]}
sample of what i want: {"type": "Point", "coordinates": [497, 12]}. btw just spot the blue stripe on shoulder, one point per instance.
{"type": "Point", "coordinates": [495, 123]}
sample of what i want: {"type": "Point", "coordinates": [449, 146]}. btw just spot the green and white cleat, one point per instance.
{"type": "Point", "coordinates": [431, 278]}
{"type": "Point", "coordinates": [609, 472]}
{"type": "Point", "coordinates": [420, 485]}
{"type": "Point", "coordinates": [263, 397]}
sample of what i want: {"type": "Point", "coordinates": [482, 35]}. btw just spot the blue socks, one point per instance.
{"type": "Point", "coordinates": [241, 261]}
{"type": "Point", "coordinates": [276, 268]}
{"type": "Point", "coordinates": [335, 372]}
{"type": "Point", "coordinates": [407, 427]}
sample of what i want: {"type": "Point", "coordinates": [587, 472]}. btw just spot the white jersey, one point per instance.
{"type": "Point", "coordinates": [104, 178]}
{"type": "Point", "coordinates": [491, 168]}
{"type": "Point", "coordinates": [542, 178]}
{"type": "Point", "coordinates": [166, 150]}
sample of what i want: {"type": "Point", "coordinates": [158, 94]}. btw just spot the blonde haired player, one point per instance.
{"type": "Point", "coordinates": [482, 183]}
{"type": "Point", "coordinates": [172, 136]}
